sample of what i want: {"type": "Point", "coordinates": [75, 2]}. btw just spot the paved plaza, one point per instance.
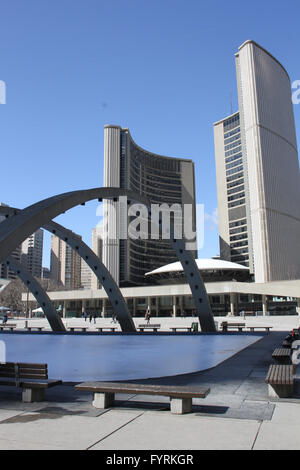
{"type": "Point", "coordinates": [237, 414]}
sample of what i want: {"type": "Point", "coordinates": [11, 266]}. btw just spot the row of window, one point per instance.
{"type": "Point", "coordinates": [239, 251]}
{"type": "Point", "coordinates": [237, 223]}
{"type": "Point", "coordinates": [235, 183]}
{"type": "Point", "coordinates": [242, 236]}
{"type": "Point", "coordinates": [236, 196]}
{"type": "Point", "coordinates": [229, 134]}
{"type": "Point", "coordinates": [233, 157]}
{"type": "Point", "coordinates": [233, 164]}
{"type": "Point", "coordinates": [233, 231]}
{"type": "Point", "coordinates": [241, 258]}
{"type": "Point", "coordinates": [236, 203]}
{"type": "Point", "coordinates": [231, 123]}
{"type": "Point", "coordinates": [232, 145]}
{"type": "Point", "coordinates": [235, 150]}
{"type": "Point", "coordinates": [232, 139]}
{"type": "Point", "coordinates": [237, 189]}
{"type": "Point", "coordinates": [239, 244]}
{"type": "Point", "coordinates": [234, 177]}
{"type": "Point", "coordinates": [234, 170]}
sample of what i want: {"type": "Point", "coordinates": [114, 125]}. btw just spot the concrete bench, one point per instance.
{"type": "Point", "coordinates": [39, 328]}
{"type": "Point", "coordinates": [180, 397]}
{"type": "Point", "coordinates": [79, 328]}
{"type": "Point", "coordinates": [184, 328]}
{"type": "Point", "coordinates": [225, 326]}
{"type": "Point", "coordinates": [32, 378]}
{"type": "Point", "coordinates": [282, 355]}
{"type": "Point", "coordinates": [8, 326]}
{"type": "Point", "coordinates": [109, 328]}
{"type": "Point", "coordinates": [280, 381]}
{"type": "Point", "coordinates": [253, 328]}
{"type": "Point", "coordinates": [153, 327]}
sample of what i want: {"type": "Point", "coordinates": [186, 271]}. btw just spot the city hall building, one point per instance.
{"type": "Point", "coordinates": [164, 180]}
{"type": "Point", "coordinates": [257, 171]}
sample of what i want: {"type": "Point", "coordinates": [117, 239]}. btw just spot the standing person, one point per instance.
{"type": "Point", "coordinates": [85, 316]}
{"type": "Point", "coordinates": [95, 316]}
{"type": "Point", "coordinates": [148, 315]}
{"type": "Point", "coordinates": [4, 319]}
{"type": "Point", "coordinates": [91, 317]}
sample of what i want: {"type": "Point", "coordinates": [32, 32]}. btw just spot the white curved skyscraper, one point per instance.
{"type": "Point", "coordinates": [258, 171]}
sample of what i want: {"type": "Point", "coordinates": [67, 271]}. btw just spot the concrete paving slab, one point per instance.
{"type": "Point", "coordinates": [6, 444]}
{"type": "Point", "coordinates": [157, 431]}
{"type": "Point", "coordinates": [287, 413]}
{"type": "Point", "coordinates": [57, 430]}
{"type": "Point", "coordinates": [278, 436]}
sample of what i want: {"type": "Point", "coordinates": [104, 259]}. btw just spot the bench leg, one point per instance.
{"type": "Point", "coordinates": [280, 391]}
{"type": "Point", "coordinates": [180, 406]}
{"type": "Point", "coordinates": [103, 400]}
{"type": "Point", "coordinates": [33, 394]}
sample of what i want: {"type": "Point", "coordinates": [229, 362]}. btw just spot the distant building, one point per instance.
{"type": "Point", "coordinates": [32, 253]}
{"type": "Point", "coordinates": [97, 247]}
{"type": "Point", "coordinates": [65, 264]}
{"type": "Point", "coordinates": [88, 279]}
{"type": "Point", "coordinates": [45, 273]}
{"type": "Point", "coordinates": [257, 171]}
{"type": "Point", "coordinates": [86, 275]}
{"type": "Point", "coordinates": [6, 273]}
{"type": "Point", "coordinates": [164, 180]}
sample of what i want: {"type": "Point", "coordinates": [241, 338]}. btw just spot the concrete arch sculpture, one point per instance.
{"type": "Point", "coordinates": [38, 292]}
{"type": "Point", "coordinates": [15, 230]}
{"type": "Point", "coordinates": [113, 292]}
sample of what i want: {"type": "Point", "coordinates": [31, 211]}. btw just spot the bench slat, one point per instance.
{"type": "Point", "coordinates": [146, 389]}
{"type": "Point", "coordinates": [280, 375]}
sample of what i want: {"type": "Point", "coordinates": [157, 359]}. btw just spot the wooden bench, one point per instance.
{"type": "Point", "coordinates": [153, 327]}
{"type": "Point", "coordinates": [253, 328]}
{"type": "Point", "coordinates": [80, 328]}
{"type": "Point", "coordinates": [282, 355]}
{"type": "Point", "coordinates": [280, 381]}
{"type": "Point", "coordinates": [225, 325]}
{"type": "Point", "coordinates": [32, 378]}
{"type": "Point", "coordinates": [9, 326]}
{"type": "Point", "coordinates": [180, 397]}
{"type": "Point", "coordinates": [185, 328]}
{"type": "Point", "coordinates": [109, 328]}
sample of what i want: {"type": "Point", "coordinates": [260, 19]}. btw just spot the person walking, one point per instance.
{"type": "Point", "coordinates": [148, 315]}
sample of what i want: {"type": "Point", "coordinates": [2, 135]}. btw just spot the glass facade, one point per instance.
{"type": "Point", "coordinates": [160, 179]}
{"type": "Point", "coordinates": [238, 230]}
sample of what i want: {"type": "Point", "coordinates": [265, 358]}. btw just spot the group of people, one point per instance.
{"type": "Point", "coordinates": [91, 317]}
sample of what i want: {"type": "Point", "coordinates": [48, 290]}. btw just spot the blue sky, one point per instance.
{"type": "Point", "coordinates": [163, 68]}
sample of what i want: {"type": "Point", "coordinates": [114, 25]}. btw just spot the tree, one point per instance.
{"type": "Point", "coordinates": [11, 296]}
